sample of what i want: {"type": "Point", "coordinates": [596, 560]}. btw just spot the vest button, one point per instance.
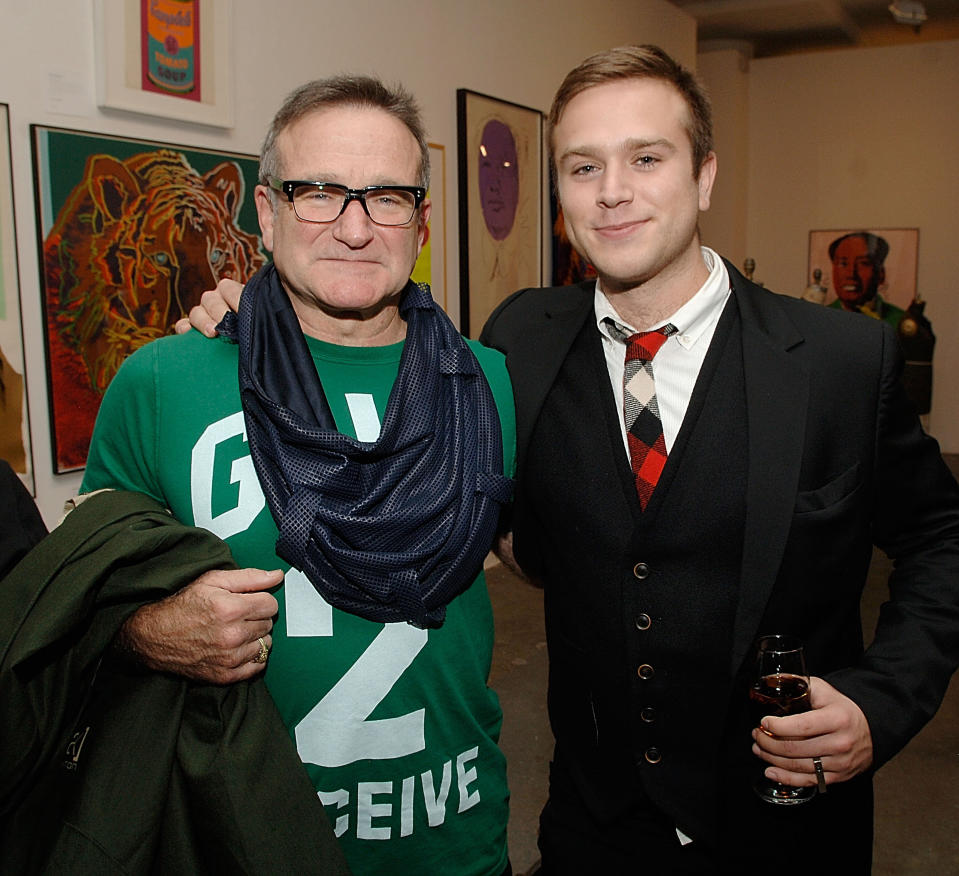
{"type": "Point", "coordinates": [653, 755]}
{"type": "Point", "coordinates": [643, 622]}
{"type": "Point", "coordinates": [645, 672]}
{"type": "Point", "coordinates": [648, 715]}
{"type": "Point", "coordinates": [641, 571]}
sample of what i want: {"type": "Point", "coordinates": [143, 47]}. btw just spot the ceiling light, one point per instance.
{"type": "Point", "coordinates": [908, 12]}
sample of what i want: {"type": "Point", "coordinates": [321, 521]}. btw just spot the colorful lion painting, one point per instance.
{"type": "Point", "coordinates": [132, 248]}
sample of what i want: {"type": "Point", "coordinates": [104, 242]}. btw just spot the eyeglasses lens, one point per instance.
{"type": "Point", "coordinates": [323, 203]}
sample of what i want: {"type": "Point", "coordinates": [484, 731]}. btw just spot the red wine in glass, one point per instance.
{"type": "Point", "coordinates": [781, 687]}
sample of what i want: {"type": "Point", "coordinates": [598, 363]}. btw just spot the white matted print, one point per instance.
{"type": "Point", "coordinates": [166, 58]}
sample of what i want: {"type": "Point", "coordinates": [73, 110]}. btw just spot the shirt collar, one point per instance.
{"type": "Point", "coordinates": [693, 318]}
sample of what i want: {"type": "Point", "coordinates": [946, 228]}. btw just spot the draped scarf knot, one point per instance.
{"type": "Point", "coordinates": [390, 530]}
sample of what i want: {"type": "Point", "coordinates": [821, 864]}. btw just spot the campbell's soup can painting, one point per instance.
{"type": "Point", "coordinates": [172, 43]}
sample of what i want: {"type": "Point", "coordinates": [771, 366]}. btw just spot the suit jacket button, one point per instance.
{"type": "Point", "coordinates": [643, 622]}
{"type": "Point", "coordinates": [648, 714]}
{"type": "Point", "coordinates": [653, 755]}
{"type": "Point", "coordinates": [645, 672]}
{"type": "Point", "coordinates": [641, 571]}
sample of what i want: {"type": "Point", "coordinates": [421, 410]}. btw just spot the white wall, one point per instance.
{"type": "Point", "coordinates": [518, 51]}
{"type": "Point", "coordinates": [850, 139]}
{"type": "Point", "coordinates": [726, 75]}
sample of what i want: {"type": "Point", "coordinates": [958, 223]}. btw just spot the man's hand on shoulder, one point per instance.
{"type": "Point", "coordinates": [210, 630]}
{"type": "Point", "coordinates": [503, 549]}
{"type": "Point", "coordinates": [214, 303]}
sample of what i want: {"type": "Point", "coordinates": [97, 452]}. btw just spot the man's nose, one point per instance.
{"type": "Point", "coordinates": [353, 226]}
{"type": "Point", "coordinates": [613, 188]}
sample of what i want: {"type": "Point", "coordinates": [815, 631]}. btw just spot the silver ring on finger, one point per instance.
{"type": "Point", "coordinates": [820, 775]}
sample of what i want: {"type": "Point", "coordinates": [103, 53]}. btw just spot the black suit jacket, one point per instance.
{"type": "Point", "coordinates": [837, 462]}
{"type": "Point", "coordinates": [21, 525]}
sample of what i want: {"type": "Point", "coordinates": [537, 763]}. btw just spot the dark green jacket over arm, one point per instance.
{"type": "Point", "coordinates": [109, 768]}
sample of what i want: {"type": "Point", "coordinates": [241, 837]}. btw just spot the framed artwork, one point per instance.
{"type": "Point", "coordinates": [15, 445]}
{"type": "Point", "coordinates": [169, 58]}
{"type": "Point", "coordinates": [500, 202]}
{"type": "Point", "coordinates": [430, 267]}
{"type": "Point", "coordinates": [131, 232]}
{"type": "Point", "coordinates": [866, 267]}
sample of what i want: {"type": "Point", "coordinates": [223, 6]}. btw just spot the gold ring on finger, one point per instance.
{"type": "Point", "coordinates": [264, 652]}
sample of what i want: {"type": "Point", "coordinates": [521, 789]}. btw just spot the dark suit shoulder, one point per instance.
{"type": "Point", "coordinates": [794, 322]}
{"type": "Point", "coordinates": [524, 309]}
{"type": "Point", "coordinates": [807, 313]}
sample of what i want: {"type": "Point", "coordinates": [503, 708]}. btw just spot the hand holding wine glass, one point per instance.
{"type": "Point", "coordinates": [781, 687]}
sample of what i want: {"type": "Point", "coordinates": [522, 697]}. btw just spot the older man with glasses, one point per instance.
{"type": "Point", "coordinates": [342, 431]}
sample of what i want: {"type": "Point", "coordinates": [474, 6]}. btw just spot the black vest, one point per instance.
{"type": "Point", "coordinates": [640, 604]}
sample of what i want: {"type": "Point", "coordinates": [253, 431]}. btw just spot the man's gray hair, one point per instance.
{"type": "Point", "coordinates": [345, 90]}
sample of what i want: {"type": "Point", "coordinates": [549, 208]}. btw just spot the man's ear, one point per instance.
{"type": "Point", "coordinates": [265, 214]}
{"type": "Point", "coordinates": [423, 233]}
{"type": "Point", "coordinates": [707, 176]}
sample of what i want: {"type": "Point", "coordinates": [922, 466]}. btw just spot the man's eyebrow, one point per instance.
{"type": "Point", "coordinates": [633, 144]}
{"type": "Point", "coordinates": [636, 143]}
{"type": "Point", "coordinates": [337, 179]}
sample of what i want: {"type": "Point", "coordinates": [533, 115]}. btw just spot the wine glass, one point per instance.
{"type": "Point", "coordinates": [781, 688]}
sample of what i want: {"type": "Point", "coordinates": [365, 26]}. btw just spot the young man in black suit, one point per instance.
{"type": "Point", "coordinates": [741, 496]}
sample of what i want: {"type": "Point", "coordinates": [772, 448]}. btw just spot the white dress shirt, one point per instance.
{"type": "Point", "coordinates": [677, 364]}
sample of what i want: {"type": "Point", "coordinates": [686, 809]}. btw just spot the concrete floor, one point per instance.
{"type": "Point", "coordinates": [917, 793]}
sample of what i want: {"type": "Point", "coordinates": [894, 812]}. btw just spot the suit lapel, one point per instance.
{"type": "Point", "coordinates": [609, 452]}
{"type": "Point", "coordinates": [547, 341]}
{"type": "Point", "coordinates": [777, 391]}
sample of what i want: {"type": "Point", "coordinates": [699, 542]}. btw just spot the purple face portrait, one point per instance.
{"type": "Point", "coordinates": [498, 179]}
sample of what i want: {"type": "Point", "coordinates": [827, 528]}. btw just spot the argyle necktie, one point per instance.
{"type": "Point", "coordinates": [644, 428]}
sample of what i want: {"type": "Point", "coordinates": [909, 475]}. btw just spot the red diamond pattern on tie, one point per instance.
{"type": "Point", "coordinates": [644, 428]}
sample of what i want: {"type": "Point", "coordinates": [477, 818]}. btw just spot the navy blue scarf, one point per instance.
{"type": "Point", "coordinates": [390, 530]}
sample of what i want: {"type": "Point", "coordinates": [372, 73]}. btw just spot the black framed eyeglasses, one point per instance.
{"type": "Point", "coordinates": [325, 202]}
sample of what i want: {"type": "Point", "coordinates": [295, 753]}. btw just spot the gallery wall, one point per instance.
{"type": "Point", "coordinates": [824, 140]}
{"type": "Point", "coordinates": [726, 74]}
{"type": "Point", "coordinates": [514, 51]}
{"type": "Point", "coordinates": [845, 139]}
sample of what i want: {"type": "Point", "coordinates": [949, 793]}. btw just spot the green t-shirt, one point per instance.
{"type": "Point", "coordinates": [396, 726]}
